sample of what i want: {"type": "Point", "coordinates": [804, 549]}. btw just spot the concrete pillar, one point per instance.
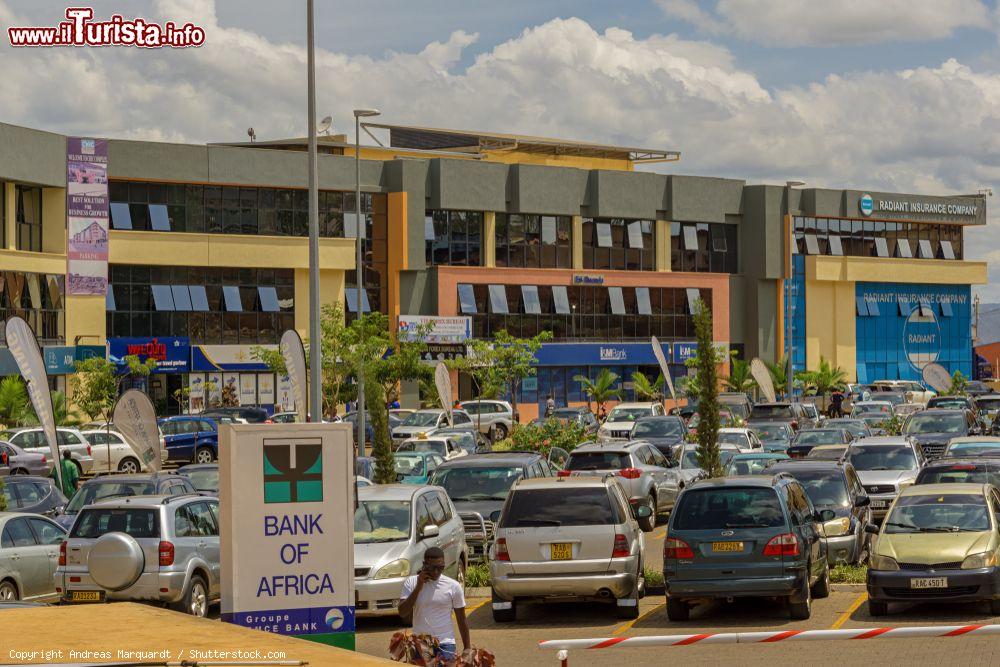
{"type": "Point", "coordinates": [490, 239]}
{"type": "Point", "coordinates": [577, 240]}
{"type": "Point", "coordinates": [331, 284]}
{"type": "Point", "coordinates": [662, 242]}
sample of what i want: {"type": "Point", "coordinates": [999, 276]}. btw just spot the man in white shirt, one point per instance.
{"type": "Point", "coordinates": [429, 597]}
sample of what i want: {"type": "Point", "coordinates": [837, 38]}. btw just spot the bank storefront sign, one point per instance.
{"type": "Point", "coordinates": [599, 354]}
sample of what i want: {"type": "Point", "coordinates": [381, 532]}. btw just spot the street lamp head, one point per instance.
{"type": "Point", "coordinates": [794, 184]}
{"type": "Point", "coordinates": [366, 113]}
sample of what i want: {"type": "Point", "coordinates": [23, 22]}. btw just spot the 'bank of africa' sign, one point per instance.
{"type": "Point", "coordinates": [288, 532]}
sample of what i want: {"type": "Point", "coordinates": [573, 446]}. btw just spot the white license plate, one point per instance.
{"type": "Point", "coordinates": [880, 504]}
{"type": "Point", "coordinates": [929, 582]}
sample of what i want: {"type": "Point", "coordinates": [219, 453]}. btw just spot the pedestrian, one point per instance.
{"type": "Point", "coordinates": [70, 474]}
{"type": "Point", "coordinates": [550, 406]}
{"type": "Point", "coordinates": [394, 405]}
{"type": "Point", "coordinates": [602, 414]}
{"type": "Point", "coordinates": [837, 403]}
{"type": "Point", "coordinates": [428, 599]}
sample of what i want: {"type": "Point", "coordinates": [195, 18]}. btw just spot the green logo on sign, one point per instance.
{"type": "Point", "coordinates": [293, 472]}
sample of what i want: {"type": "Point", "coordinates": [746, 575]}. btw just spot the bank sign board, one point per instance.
{"type": "Point", "coordinates": [287, 529]}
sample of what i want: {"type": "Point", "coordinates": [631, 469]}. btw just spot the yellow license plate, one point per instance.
{"type": "Point", "coordinates": [562, 551]}
{"type": "Point", "coordinates": [727, 547]}
{"type": "Point", "coordinates": [86, 596]}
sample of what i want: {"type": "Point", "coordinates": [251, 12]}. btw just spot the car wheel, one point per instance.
{"type": "Point", "coordinates": [877, 608]}
{"type": "Point", "coordinates": [821, 589]}
{"type": "Point", "coordinates": [802, 610]}
{"type": "Point", "coordinates": [204, 455]}
{"type": "Point", "coordinates": [504, 615]}
{"type": "Point", "coordinates": [8, 591]}
{"type": "Point", "coordinates": [500, 430]}
{"type": "Point", "coordinates": [195, 599]}
{"type": "Point", "coordinates": [649, 523]}
{"type": "Point", "coordinates": [678, 610]}
{"type": "Point", "coordinates": [128, 465]}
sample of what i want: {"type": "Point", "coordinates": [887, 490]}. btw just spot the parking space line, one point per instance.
{"type": "Point", "coordinates": [850, 610]}
{"type": "Point", "coordinates": [660, 535]}
{"type": "Point", "coordinates": [469, 610]}
{"type": "Point", "coordinates": [628, 626]}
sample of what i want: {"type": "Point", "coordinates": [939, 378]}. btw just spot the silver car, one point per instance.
{"type": "Point", "coordinates": [29, 547]}
{"type": "Point", "coordinates": [21, 462]}
{"type": "Point", "coordinates": [885, 465]}
{"type": "Point", "coordinates": [33, 440]}
{"type": "Point", "coordinates": [427, 421]}
{"type": "Point", "coordinates": [568, 537]}
{"type": "Point", "coordinates": [394, 525]}
{"type": "Point", "coordinates": [647, 476]}
{"type": "Point", "coordinates": [161, 549]}
{"type": "Point", "coordinates": [494, 417]}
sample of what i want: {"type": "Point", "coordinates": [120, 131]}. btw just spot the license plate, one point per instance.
{"type": "Point", "coordinates": [562, 551]}
{"type": "Point", "coordinates": [727, 547]}
{"type": "Point", "coordinates": [929, 582]}
{"type": "Point", "coordinates": [880, 504]}
{"type": "Point", "coordinates": [86, 596]}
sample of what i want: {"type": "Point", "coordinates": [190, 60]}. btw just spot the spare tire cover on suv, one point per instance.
{"type": "Point", "coordinates": [115, 561]}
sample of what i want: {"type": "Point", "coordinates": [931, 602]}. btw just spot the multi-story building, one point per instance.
{"type": "Point", "coordinates": [208, 257]}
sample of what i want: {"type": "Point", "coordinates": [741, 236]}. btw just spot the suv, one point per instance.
{"type": "Point", "coordinates": [568, 537]}
{"type": "Point", "coordinates": [835, 486]}
{"type": "Point", "coordinates": [618, 425]}
{"type": "Point", "coordinates": [193, 439]}
{"type": "Point", "coordinates": [737, 403]}
{"type": "Point", "coordinates": [490, 417]}
{"type": "Point", "coordinates": [247, 414]}
{"type": "Point", "coordinates": [478, 485]}
{"type": "Point", "coordinates": [150, 548]}
{"type": "Point", "coordinates": [427, 421]}
{"type": "Point", "coordinates": [647, 477]}
{"type": "Point", "coordinates": [932, 429]}
{"type": "Point", "coordinates": [123, 486]}
{"type": "Point", "coordinates": [805, 440]}
{"type": "Point", "coordinates": [33, 440]}
{"type": "Point", "coordinates": [665, 433]}
{"type": "Point", "coordinates": [34, 495]}
{"type": "Point", "coordinates": [885, 465]}
{"type": "Point", "coordinates": [791, 413]}
{"type": "Point", "coordinates": [756, 536]}
{"type": "Point", "coordinates": [913, 392]}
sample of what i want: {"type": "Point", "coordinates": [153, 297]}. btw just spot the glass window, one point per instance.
{"type": "Point", "coordinates": [862, 307]}
{"type": "Point", "coordinates": [603, 235]}
{"type": "Point", "coordinates": [498, 299]}
{"type": "Point", "coordinates": [268, 299]}
{"type": "Point", "coordinates": [560, 299]}
{"type": "Point", "coordinates": [728, 507]}
{"type": "Point", "coordinates": [199, 300]}
{"type": "Point", "coordinates": [158, 219]}
{"type": "Point", "coordinates": [351, 296]}
{"type": "Point", "coordinates": [693, 295]}
{"type": "Point", "coordinates": [881, 247]}
{"type": "Point", "coordinates": [529, 294]}
{"type": "Point", "coordinates": [642, 301]}
{"type": "Point", "coordinates": [812, 245]}
{"type": "Point", "coordinates": [46, 532]}
{"type": "Point", "coordinates": [947, 252]}
{"type": "Point", "coordinates": [120, 216]}
{"type": "Point", "coordinates": [873, 309]}
{"type": "Point", "coordinates": [903, 248]}
{"type": "Point", "coordinates": [17, 533]}
{"type": "Point", "coordinates": [231, 294]}
{"type": "Point", "coordinates": [924, 249]}
{"type": "Point", "coordinates": [467, 299]}
{"type": "Point", "coordinates": [635, 235]}
{"type": "Point", "coordinates": [690, 237]}
{"type": "Point", "coordinates": [547, 507]}
{"type": "Point", "coordinates": [617, 300]}
{"type": "Point", "coordinates": [946, 310]}
{"type": "Point", "coordinates": [836, 248]}
{"type": "Point", "coordinates": [163, 297]}
{"type": "Point", "coordinates": [182, 298]}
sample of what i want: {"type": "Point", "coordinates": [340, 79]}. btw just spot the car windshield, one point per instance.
{"type": "Point", "coordinates": [773, 431]}
{"type": "Point", "coordinates": [621, 414]}
{"type": "Point", "coordinates": [819, 437]}
{"type": "Point", "coordinates": [421, 419]}
{"type": "Point", "coordinates": [772, 412]}
{"type": "Point", "coordinates": [203, 479]}
{"type": "Point", "coordinates": [409, 464]}
{"type": "Point", "coordinates": [939, 513]}
{"type": "Point", "coordinates": [947, 403]}
{"type": "Point", "coordinates": [738, 439]}
{"type": "Point", "coordinates": [728, 507]}
{"type": "Point", "coordinates": [961, 473]}
{"type": "Point", "coordinates": [381, 521]}
{"type": "Point", "coordinates": [555, 508]}
{"type": "Point", "coordinates": [565, 413]}
{"type": "Point", "coordinates": [882, 457]}
{"type": "Point", "coordinates": [750, 465]}
{"type": "Point", "coordinates": [435, 446]}
{"type": "Point", "coordinates": [95, 491]}
{"type": "Point", "coordinates": [973, 448]}
{"type": "Point", "coordinates": [659, 428]}
{"type": "Point", "coordinates": [928, 422]}
{"type": "Point", "coordinates": [825, 488]}
{"type": "Point", "coordinates": [135, 522]}
{"type": "Point", "coordinates": [597, 461]}
{"type": "Point", "coordinates": [827, 452]}
{"type": "Point", "coordinates": [475, 483]}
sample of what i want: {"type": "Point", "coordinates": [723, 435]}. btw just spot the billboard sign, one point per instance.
{"type": "Point", "coordinates": [87, 216]}
{"type": "Point", "coordinates": [439, 330]}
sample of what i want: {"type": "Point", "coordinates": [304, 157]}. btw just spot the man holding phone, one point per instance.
{"type": "Point", "coordinates": [429, 597]}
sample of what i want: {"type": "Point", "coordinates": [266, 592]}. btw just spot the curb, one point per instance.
{"type": "Point", "coordinates": [478, 592]}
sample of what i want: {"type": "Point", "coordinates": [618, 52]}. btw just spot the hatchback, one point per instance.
{"type": "Point", "coordinates": [191, 438]}
{"type": "Point", "coordinates": [757, 536]}
{"type": "Point", "coordinates": [564, 538]}
{"type": "Point", "coordinates": [123, 486]}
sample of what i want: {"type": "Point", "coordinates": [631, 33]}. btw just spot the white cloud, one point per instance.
{"type": "Point", "coordinates": [782, 23]}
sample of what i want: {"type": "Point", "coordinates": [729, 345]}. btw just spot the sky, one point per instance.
{"type": "Point", "coordinates": [893, 95]}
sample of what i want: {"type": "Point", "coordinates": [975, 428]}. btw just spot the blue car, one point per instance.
{"type": "Point", "coordinates": [416, 467]}
{"type": "Point", "coordinates": [191, 439]}
{"type": "Point", "coordinates": [753, 536]}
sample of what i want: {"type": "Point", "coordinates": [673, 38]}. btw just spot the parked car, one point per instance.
{"type": "Point", "coordinates": [19, 462]}
{"type": "Point", "coordinates": [394, 524]}
{"type": "Point", "coordinates": [144, 548]}
{"type": "Point", "coordinates": [835, 485]}
{"type": "Point", "coordinates": [977, 388]}
{"type": "Point", "coordinates": [621, 419]}
{"type": "Point", "coordinates": [478, 486]}
{"type": "Point", "coordinates": [876, 421]}
{"type": "Point", "coordinates": [284, 417]}
{"type": "Point", "coordinates": [964, 470]}
{"type": "Point", "coordinates": [568, 537]}
{"type": "Point", "coordinates": [989, 406]}
{"type": "Point", "coordinates": [427, 421]}
{"type": "Point", "coordinates": [953, 403]}
{"type": "Point", "coordinates": [466, 436]}
{"type": "Point", "coordinates": [906, 409]}
{"type": "Point", "coordinates": [415, 467]}
{"type": "Point", "coordinates": [939, 543]}
{"type": "Point", "coordinates": [665, 432]}
{"type": "Point", "coordinates": [976, 445]}
{"type": "Point", "coordinates": [401, 413]}
{"type": "Point", "coordinates": [249, 415]}
{"type": "Point", "coordinates": [112, 453]}
{"type": "Point", "coordinates": [857, 427]}
{"type": "Point", "coordinates": [192, 438]}
{"type": "Point", "coordinates": [932, 429]}
{"type": "Point", "coordinates": [646, 475]}
{"type": "Point", "coordinates": [789, 413]}
{"type": "Point", "coordinates": [443, 446]}
{"type": "Point", "coordinates": [813, 418]}
{"type": "Point", "coordinates": [123, 486]}
{"type": "Point", "coordinates": [29, 551]}
{"type": "Point", "coordinates": [352, 419]}
{"type": "Point", "coordinates": [774, 436]}
{"type": "Point", "coordinates": [33, 495]}
{"type": "Point", "coordinates": [744, 438]}
{"type": "Point", "coordinates": [738, 404]}
{"type": "Point", "coordinates": [364, 466]}
{"type": "Point", "coordinates": [33, 440]}
{"type": "Point", "coordinates": [755, 463]}
{"type": "Point", "coordinates": [894, 398]}
{"type": "Point", "coordinates": [753, 536]}
{"type": "Point", "coordinates": [869, 407]}
{"type": "Point", "coordinates": [204, 477]}
{"type": "Point", "coordinates": [687, 466]}
{"type": "Point", "coordinates": [489, 416]}
{"type": "Point", "coordinates": [885, 465]}
{"type": "Point", "coordinates": [805, 440]}
{"type": "Point", "coordinates": [579, 415]}
{"type": "Point", "coordinates": [912, 392]}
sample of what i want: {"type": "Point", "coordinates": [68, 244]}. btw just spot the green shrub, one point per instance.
{"type": "Point", "coordinates": [849, 574]}
{"type": "Point", "coordinates": [542, 438]}
{"type": "Point", "coordinates": [477, 575]}
{"type": "Point", "coordinates": [654, 578]}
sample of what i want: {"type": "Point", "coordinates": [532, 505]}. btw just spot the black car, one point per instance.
{"type": "Point", "coordinates": [964, 470]}
{"type": "Point", "coordinates": [35, 495]}
{"type": "Point", "coordinates": [804, 441]}
{"type": "Point", "coordinates": [932, 429]}
{"type": "Point", "coordinates": [835, 485]}
{"type": "Point", "coordinates": [251, 415]}
{"type": "Point", "coordinates": [204, 477]}
{"type": "Point", "coordinates": [858, 427]}
{"type": "Point", "coordinates": [120, 486]}
{"type": "Point", "coordinates": [663, 432]}
{"type": "Point", "coordinates": [790, 413]}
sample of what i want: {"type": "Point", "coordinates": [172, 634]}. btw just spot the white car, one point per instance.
{"type": "Point", "coordinates": [33, 440]}
{"type": "Point", "coordinates": [490, 415]}
{"type": "Point", "coordinates": [744, 438]}
{"type": "Point", "coordinates": [112, 453]}
{"type": "Point", "coordinates": [426, 422]}
{"type": "Point", "coordinates": [621, 419]}
{"type": "Point", "coordinates": [445, 447]}
{"type": "Point", "coordinates": [914, 391]}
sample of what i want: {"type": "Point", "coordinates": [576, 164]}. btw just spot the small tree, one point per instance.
{"type": "Point", "coordinates": [740, 378]}
{"type": "Point", "coordinates": [95, 387]}
{"type": "Point", "coordinates": [823, 380]}
{"type": "Point", "coordinates": [501, 363]}
{"type": "Point", "coordinates": [600, 390]}
{"type": "Point", "coordinates": [13, 400]}
{"type": "Point", "coordinates": [959, 385]}
{"type": "Point", "coordinates": [646, 390]}
{"type": "Point", "coordinates": [705, 360]}
{"type": "Point", "coordinates": [779, 374]}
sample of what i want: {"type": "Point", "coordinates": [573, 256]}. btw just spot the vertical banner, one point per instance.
{"type": "Point", "coordinates": [196, 397]}
{"type": "Point", "coordinates": [287, 533]}
{"type": "Point", "coordinates": [135, 418]}
{"type": "Point", "coordinates": [442, 378]}
{"type": "Point", "coordinates": [265, 388]}
{"type": "Point", "coordinates": [213, 390]}
{"type": "Point", "coordinates": [87, 217]}
{"type": "Point", "coordinates": [24, 348]}
{"type": "Point", "coordinates": [295, 364]}
{"type": "Point", "coordinates": [230, 390]}
{"type": "Point", "coordinates": [760, 373]}
{"type": "Point", "coordinates": [248, 389]}
{"type": "Point", "coordinates": [284, 397]}
{"type": "Point", "coordinates": [664, 368]}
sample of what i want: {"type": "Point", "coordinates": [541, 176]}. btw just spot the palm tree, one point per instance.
{"type": "Point", "coordinates": [646, 390]}
{"type": "Point", "coordinates": [824, 379]}
{"type": "Point", "coordinates": [739, 379]}
{"type": "Point", "coordinates": [779, 373]}
{"type": "Point", "coordinates": [600, 390]}
{"type": "Point", "coordinates": [61, 412]}
{"type": "Point", "coordinates": [13, 400]}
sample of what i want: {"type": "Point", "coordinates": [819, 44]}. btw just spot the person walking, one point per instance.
{"type": "Point", "coordinates": [70, 474]}
{"type": "Point", "coordinates": [550, 406]}
{"type": "Point", "coordinates": [837, 403]}
{"type": "Point", "coordinates": [429, 598]}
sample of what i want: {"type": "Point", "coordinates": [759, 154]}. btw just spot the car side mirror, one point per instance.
{"type": "Point", "coordinates": [495, 516]}
{"type": "Point", "coordinates": [826, 515]}
{"type": "Point", "coordinates": [430, 531]}
{"type": "Point", "coordinates": [862, 501]}
{"type": "Point", "coordinates": [871, 529]}
{"type": "Point", "coordinates": [642, 512]}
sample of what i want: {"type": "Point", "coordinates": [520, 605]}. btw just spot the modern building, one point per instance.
{"type": "Point", "coordinates": [208, 258]}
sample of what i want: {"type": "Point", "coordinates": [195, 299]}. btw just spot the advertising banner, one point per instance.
{"type": "Point", "coordinates": [227, 358]}
{"type": "Point", "coordinates": [295, 364]}
{"type": "Point", "coordinates": [172, 354]}
{"type": "Point", "coordinates": [265, 388]}
{"type": "Point", "coordinates": [86, 216]}
{"type": "Point", "coordinates": [284, 396]}
{"type": "Point", "coordinates": [135, 418]}
{"type": "Point", "coordinates": [661, 359]}
{"type": "Point", "coordinates": [433, 329]}
{"type": "Point", "coordinates": [442, 378]}
{"type": "Point", "coordinates": [248, 389]}
{"type": "Point", "coordinates": [213, 390]}
{"type": "Point", "coordinates": [230, 389]}
{"type": "Point", "coordinates": [196, 397]}
{"type": "Point", "coordinates": [288, 552]}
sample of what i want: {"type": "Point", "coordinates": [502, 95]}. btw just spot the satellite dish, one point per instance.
{"type": "Point", "coordinates": [324, 125]}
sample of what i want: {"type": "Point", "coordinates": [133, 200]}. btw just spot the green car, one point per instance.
{"type": "Point", "coordinates": [416, 467]}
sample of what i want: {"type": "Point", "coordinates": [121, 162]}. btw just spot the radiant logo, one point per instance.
{"type": "Point", "coordinates": [866, 204]}
{"type": "Point", "coordinates": [293, 471]}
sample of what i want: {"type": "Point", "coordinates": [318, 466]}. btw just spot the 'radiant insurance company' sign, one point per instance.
{"type": "Point", "coordinates": [288, 552]}
{"type": "Point", "coordinates": [900, 206]}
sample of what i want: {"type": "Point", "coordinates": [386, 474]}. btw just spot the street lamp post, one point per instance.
{"type": "Point", "coordinates": [359, 270]}
{"type": "Point", "coordinates": [790, 373]}
{"type": "Point", "coordinates": [315, 347]}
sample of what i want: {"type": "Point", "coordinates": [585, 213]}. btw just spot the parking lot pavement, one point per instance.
{"type": "Point", "coordinates": [517, 643]}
